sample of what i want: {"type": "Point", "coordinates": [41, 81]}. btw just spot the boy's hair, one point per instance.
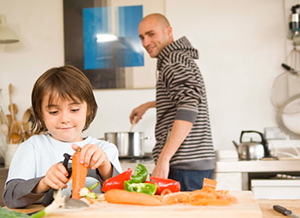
{"type": "Point", "coordinates": [69, 83]}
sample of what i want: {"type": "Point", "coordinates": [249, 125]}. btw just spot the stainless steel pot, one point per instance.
{"type": "Point", "coordinates": [129, 144]}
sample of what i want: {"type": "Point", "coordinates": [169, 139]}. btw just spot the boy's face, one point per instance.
{"type": "Point", "coordinates": [64, 119]}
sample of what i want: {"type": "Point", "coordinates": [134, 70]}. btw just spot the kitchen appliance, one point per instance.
{"type": "Point", "coordinates": [129, 144]}
{"type": "Point", "coordinates": [252, 150]}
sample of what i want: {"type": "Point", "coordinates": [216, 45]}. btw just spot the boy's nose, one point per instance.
{"type": "Point", "coordinates": [65, 119]}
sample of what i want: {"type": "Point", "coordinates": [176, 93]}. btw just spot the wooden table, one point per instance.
{"type": "Point", "coordinates": [265, 205]}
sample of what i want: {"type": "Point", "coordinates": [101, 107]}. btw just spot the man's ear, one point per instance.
{"type": "Point", "coordinates": [170, 32]}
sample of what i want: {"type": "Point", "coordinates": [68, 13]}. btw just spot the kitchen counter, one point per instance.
{"type": "Point", "coordinates": [291, 165]}
{"type": "Point", "coordinates": [266, 207]}
{"type": "Point", "coordinates": [235, 166]}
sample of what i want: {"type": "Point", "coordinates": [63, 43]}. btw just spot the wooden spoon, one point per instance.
{"type": "Point", "coordinates": [26, 116]}
{"type": "Point", "coordinates": [9, 119]}
{"type": "Point", "coordinates": [15, 138]}
{"type": "Point", "coordinates": [13, 109]}
{"type": "Point", "coordinates": [10, 90]}
{"type": "Point", "coordinates": [133, 124]}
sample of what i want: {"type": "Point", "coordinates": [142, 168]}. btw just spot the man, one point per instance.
{"type": "Point", "coordinates": [183, 149]}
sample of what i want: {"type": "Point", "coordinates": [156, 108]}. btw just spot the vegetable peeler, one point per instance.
{"type": "Point", "coordinates": [49, 196]}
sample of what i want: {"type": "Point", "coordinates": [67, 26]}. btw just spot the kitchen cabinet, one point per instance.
{"type": "Point", "coordinates": [237, 175]}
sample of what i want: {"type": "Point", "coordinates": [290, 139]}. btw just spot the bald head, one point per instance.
{"type": "Point", "coordinates": [159, 18]}
{"type": "Point", "coordinates": [156, 33]}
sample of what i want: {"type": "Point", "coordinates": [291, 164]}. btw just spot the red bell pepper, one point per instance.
{"type": "Point", "coordinates": [117, 182]}
{"type": "Point", "coordinates": [162, 184]}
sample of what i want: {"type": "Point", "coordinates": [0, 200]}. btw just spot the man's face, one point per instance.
{"type": "Point", "coordinates": [154, 36]}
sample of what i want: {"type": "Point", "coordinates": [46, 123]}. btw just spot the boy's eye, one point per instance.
{"type": "Point", "coordinates": [75, 110]}
{"type": "Point", "coordinates": [53, 112]}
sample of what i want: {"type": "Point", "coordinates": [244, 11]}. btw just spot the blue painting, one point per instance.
{"type": "Point", "coordinates": [108, 49]}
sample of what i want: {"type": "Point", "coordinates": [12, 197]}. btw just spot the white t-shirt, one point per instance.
{"type": "Point", "coordinates": [35, 156]}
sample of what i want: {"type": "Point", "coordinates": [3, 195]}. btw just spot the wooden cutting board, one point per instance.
{"type": "Point", "coordinates": [246, 208]}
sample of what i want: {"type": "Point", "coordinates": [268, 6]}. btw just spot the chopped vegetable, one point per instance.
{"type": "Point", "coordinates": [140, 174]}
{"type": "Point", "coordinates": [125, 197]}
{"type": "Point", "coordinates": [206, 196]}
{"type": "Point", "coordinates": [209, 184]}
{"type": "Point", "coordinates": [177, 197]}
{"type": "Point", "coordinates": [172, 185]}
{"type": "Point", "coordinates": [59, 201]}
{"type": "Point", "coordinates": [117, 182]}
{"type": "Point", "coordinates": [79, 172]}
{"type": "Point", "coordinates": [94, 186]}
{"type": "Point", "coordinates": [146, 188]}
{"type": "Point", "coordinates": [87, 192]}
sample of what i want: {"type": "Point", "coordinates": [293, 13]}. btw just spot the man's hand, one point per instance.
{"type": "Point", "coordinates": [138, 112]}
{"type": "Point", "coordinates": [161, 169]}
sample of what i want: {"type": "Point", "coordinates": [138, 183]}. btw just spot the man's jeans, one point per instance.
{"type": "Point", "coordinates": [190, 180]}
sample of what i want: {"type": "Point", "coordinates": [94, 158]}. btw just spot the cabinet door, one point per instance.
{"type": "Point", "coordinates": [229, 181]}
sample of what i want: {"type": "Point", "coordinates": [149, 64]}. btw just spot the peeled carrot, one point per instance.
{"type": "Point", "coordinates": [119, 196]}
{"type": "Point", "coordinates": [209, 202]}
{"type": "Point", "coordinates": [177, 197]}
{"type": "Point", "coordinates": [209, 184]}
{"type": "Point", "coordinates": [79, 172]}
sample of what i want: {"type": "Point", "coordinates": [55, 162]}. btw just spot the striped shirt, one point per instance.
{"type": "Point", "coordinates": [180, 94]}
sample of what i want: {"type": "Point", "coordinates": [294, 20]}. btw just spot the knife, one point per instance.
{"type": "Point", "coordinates": [284, 211]}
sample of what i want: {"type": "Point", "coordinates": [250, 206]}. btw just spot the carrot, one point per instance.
{"type": "Point", "coordinates": [79, 172]}
{"type": "Point", "coordinates": [119, 196]}
{"type": "Point", "coordinates": [177, 197]}
{"type": "Point", "coordinates": [165, 192]}
{"type": "Point", "coordinates": [204, 194]}
{"type": "Point", "coordinates": [209, 202]}
{"type": "Point", "coordinates": [209, 184]}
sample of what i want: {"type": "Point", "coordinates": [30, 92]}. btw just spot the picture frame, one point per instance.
{"type": "Point", "coordinates": [120, 62]}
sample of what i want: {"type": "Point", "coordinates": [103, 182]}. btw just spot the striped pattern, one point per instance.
{"type": "Point", "coordinates": [180, 88]}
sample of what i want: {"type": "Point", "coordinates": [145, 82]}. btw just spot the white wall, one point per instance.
{"type": "Point", "coordinates": [242, 44]}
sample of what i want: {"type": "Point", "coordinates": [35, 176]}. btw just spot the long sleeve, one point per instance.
{"type": "Point", "coordinates": [18, 193]}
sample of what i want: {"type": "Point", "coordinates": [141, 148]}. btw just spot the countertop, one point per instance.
{"type": "Point", "coordinates": [236, 166]}
{"type": "Point", "coordinates": [290, 165]}
{"type": "Point", "coordinates": [266, 207]}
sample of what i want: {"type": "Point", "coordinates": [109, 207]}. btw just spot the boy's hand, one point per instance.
{"type": "Point", "coordinates": [92, 156]}
{"type": "Point", "coordinates": [56, 177]}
